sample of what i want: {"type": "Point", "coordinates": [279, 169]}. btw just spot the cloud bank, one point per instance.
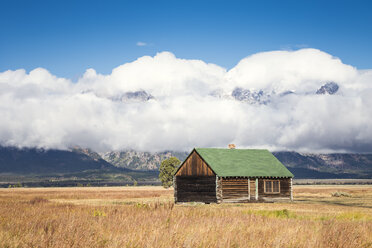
{"type": "Point", "coordinates": [141, 43]}
{"type": "Point", "coordinates": [167, 103]}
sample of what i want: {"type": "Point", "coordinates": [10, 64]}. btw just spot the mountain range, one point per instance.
{"type": "Point", "coordinates": [326, 166]}
{"type": "Point", "coordinates": [249, 96]}
{"type": "Point", "coordinates": [302, 165]}
{"type": "Point", "coordinates": [137, 160]}
{"type": "Point", "coordinates": [127, 166]}
{"type": "Point", "coordinates": [77, 166]}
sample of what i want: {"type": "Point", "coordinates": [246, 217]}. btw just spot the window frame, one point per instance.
{"type": "Point", "coordinates": [272, 186]}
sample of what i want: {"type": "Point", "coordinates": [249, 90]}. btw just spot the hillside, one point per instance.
{"type": "Point", "coordinates": [40, 161]}
{"type": "Point", "coordinates": [39, 167]}
{"type": "Point", "coordinates": [334, 165]}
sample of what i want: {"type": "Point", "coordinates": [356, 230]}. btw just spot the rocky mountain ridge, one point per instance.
{"type": "Point", "coordinates": [329, 88]}
{"type": "Point", "coordinates": [264, 97]}
{"type": "Point", "coordinates": [137, 160]}
{"type": "Point", "coordinates": [76, 160]}
{"type": "Point", "coordinates": [135, 96]}
{"type": "Point", "coordinates": [249, 96]}
{"type": "Point", "coordinates": [332, 165]}
{"type": "Point", "coordinates": [303, 165]}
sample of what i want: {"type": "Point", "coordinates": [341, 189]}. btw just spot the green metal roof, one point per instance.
{"type": "Point", "coordinates": [243, 162]}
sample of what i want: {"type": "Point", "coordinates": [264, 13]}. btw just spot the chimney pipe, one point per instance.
{"type": "Point", "coordinates": [231, 146]}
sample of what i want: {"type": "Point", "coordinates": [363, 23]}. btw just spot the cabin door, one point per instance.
{"type": "Point", "coordinates": [252, 188]}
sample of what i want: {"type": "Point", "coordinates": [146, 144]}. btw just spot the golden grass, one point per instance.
{"type": "Point", "coordinates": [147, 217]}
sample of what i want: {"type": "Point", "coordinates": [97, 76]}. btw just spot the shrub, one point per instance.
{"type": "Point", "coordinates": [167, 169]}
{"type": "Point", "coordinates": [97, 213]}
{"type": "Point", "coordinates": [340, 194]}
{"type": "Point", "coordinates": [38, 200]}
{"type": "Point", "coordinates": [18, 185]}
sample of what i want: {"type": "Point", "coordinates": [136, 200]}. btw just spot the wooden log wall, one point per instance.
{"type": "Point", "coordinates": [194, 166]}
{"type": "Point", "coordinates": [235, 189]}
{"type": "Point", "coordinates": [196, 189]}
{"type": "Point", "coordinates": [285, 188]}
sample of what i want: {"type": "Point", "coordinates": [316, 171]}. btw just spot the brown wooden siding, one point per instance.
{"type": "Point", "coordinates": [194, 166]}
{"type": "Point", "coordinates": [285, 189]}
{"type": "Point", "coordinates": [235, 188]}
{"type": "Point", "coordinates": [196, 189]}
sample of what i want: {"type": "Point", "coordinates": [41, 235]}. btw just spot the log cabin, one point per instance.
{"type": "Point", "coordinates": [215, 175]}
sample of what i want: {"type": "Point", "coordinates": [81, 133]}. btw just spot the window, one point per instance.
{"type": "Point", "coordinates": [272, 186]}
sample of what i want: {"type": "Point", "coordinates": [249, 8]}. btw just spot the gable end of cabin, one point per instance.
{"type": "Point", "coordinates": [194, 181]}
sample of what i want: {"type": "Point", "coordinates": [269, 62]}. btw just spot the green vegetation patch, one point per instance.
{"type": "Point", "coordinates": [284, 213]}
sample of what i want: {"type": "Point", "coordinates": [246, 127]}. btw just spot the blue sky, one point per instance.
{"type": "Point", "coordinates": [67, 37]}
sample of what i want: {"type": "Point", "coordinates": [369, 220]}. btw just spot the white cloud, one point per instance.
{"type": "Point", "coordinates": [300, 70]}
{"type": "Point", "coordinates": [141, 43]}
{"type": "Point", "coordinates": [40, 109]}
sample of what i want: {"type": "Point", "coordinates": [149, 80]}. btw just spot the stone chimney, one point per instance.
{"type": "Point", "coordinates": [231, 146]}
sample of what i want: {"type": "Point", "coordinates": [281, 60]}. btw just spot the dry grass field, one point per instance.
{"type": "Point", "coordinates": [147, 217]}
